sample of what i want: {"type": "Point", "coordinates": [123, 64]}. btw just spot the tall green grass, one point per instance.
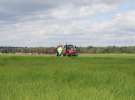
{"type": "Point", "coordinates": [95, 77]}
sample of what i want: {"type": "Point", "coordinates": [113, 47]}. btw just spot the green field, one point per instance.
{"type": "Point", "coordinates": [88, 77]}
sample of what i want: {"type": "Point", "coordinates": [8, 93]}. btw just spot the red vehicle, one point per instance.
{"type": "Point", "coordinates": [70, 50]}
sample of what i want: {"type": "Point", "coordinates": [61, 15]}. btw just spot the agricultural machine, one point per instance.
{"type": "Point", "coordinates": [70, 50]}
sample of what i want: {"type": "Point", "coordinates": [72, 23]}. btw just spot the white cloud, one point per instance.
{"type": "Point", "coordinates": [71, 22]}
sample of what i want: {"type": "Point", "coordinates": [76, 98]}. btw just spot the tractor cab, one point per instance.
{"type": "Point", "coordinates": [70, 50]}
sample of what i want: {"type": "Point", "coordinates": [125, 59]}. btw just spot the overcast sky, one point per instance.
{"type": "Point", "coordinates": [81, 22]}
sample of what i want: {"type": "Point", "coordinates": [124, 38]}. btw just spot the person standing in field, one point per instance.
{"type": "Point", "coordinates": [59, 50]}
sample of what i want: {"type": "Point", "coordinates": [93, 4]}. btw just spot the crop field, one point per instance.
{"type": "Point", "coordinates": [86, 77]}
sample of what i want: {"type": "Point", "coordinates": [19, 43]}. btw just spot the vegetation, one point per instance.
{"type": "Point", "coordinates": [52, 50]}
{"type": "Point", "coordinates": [95, 77]}
{"type": "Point", "coordinates": [109, 49]}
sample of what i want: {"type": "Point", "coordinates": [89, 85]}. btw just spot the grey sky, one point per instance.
{"type": "Point", "coordinates": [81, 22]}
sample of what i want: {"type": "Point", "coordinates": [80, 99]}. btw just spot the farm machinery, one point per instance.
{"type": "Point", "coordinates": [70, 50]}
{"type": "Point", "coordinates": [67, 50]}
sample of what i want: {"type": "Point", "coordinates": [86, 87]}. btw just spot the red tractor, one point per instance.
{"type": "Point", "coordinates": [70, 50]}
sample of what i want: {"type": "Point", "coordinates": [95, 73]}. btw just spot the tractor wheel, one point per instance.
{"type": "Point", "coordinates": [64, 54]}
{"type": "Point", "coordinates": [69, 55]}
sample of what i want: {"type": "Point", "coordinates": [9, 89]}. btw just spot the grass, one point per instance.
{"type": "Point", "coordinates": [89, 77]}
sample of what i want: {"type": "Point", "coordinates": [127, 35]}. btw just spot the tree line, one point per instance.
{"type": "Point", "coordinates": [32, 50]}
{"type": "Point", "coordinates": [52, 50]}
{"type": "Point", "coordinates": [108, 49]}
